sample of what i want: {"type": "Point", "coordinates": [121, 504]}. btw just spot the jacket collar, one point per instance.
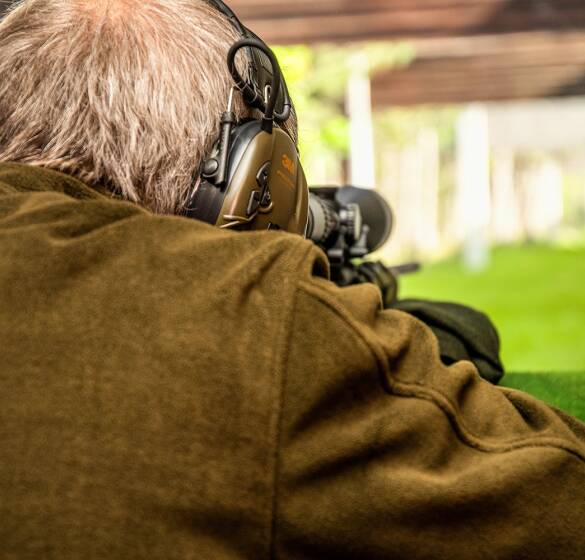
{"type": "Point", "coordinates": [18, 177]}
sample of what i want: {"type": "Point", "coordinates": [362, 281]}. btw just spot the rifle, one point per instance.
{"type": "Point", "coordinates": [348, 224]}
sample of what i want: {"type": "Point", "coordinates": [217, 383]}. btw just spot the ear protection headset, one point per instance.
{"type": "Point", "coordinates": [252, 179]}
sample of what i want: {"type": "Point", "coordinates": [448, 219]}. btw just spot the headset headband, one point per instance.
{"type": "Point", "coordinates": [4, 7]}
{"type": "Point", "coordinates": [262, 70]}
{"type": "Point", "coordinates": [228, 12]}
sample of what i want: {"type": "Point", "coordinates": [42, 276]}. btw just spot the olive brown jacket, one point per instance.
{"type": "Point", "coordinates": [170, 391]}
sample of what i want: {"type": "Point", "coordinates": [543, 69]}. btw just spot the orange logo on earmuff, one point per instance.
{"type": "Point", "coordinates": [288, 164]}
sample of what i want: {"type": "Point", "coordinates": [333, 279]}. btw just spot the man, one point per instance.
{"type": "Point", "coordinates": [171, 390]}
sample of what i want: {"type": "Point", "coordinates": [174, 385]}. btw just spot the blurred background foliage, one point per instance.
{"type": "Point", "coordinates": [317, 78]}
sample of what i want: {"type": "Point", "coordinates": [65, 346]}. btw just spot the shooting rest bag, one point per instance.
{"type": "Point", "coordinates": [463, 334]}
{"type": "Point", "coordinates": [171, 390]}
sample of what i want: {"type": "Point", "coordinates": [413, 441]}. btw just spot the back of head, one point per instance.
{"type": "Point", "coordinates": [120, 93]}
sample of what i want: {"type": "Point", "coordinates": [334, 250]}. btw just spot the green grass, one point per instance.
{"type": "Point", "coordinates": [563, 390]}
{"type": "Point", "coordinates": [536, 297]}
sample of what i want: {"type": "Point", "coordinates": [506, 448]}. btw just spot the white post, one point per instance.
{"type": "Point", "coordinates": [506, 223]}
{"type": "Point", "coordinates": [473, 186]}
{"type": "Point", "coordinates": [428, 231]}
{"type": "Point", "coordinates": [389, 188]}
{"type": "Point", "coordinates": [362, 166]}
{"type": "Point", "coordinates": [543, 198]}
{"type": "Point", "coordinates": [410, 201]}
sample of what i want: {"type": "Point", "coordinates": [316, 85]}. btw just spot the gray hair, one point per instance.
{"type": "Point", "coordinates": [120, 93]}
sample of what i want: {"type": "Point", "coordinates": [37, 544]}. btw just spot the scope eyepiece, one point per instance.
{"type": "Point", "coordinates": [348, 211]}
{"type": "Point", "coordinates": [323, 219]}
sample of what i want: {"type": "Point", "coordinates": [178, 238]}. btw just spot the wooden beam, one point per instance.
{"type": "Point", "coordinates": [310, 21]}
{"type": "Point", "coordinates": [490, 89]}
{"type": "Point", "coordinates": [496, 69]}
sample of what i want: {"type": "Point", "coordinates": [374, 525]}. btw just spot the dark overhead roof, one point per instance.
{"type": "Point", "coordinates": [343, 20]}
{"type": "Point", "coordinates": [468, 49]}
{"type": "Point", "coordinates": [523, 66]}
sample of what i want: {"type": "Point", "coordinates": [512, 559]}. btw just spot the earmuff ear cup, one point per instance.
{"type": "Point", "coordinates": [287, 187]}
{"type": "Point", "coordinates": [266, 185]}
{"type": "Point", "coordinates": [205, 203]}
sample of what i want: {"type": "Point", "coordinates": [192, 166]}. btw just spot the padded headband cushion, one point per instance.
{"type": "Point", "coordinates": [5, 6]}
{"type": "Point", "coordinates": [228, 12]}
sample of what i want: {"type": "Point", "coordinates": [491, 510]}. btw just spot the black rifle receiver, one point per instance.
{"type": "Point", "coordinates": [349, 223]}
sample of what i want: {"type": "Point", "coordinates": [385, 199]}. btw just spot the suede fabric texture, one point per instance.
{"type": "Point", "coordinates": [172, 391]}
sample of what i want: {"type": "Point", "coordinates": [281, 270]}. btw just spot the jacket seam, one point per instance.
{"type": "Point", "coordinates": [443, 402]}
